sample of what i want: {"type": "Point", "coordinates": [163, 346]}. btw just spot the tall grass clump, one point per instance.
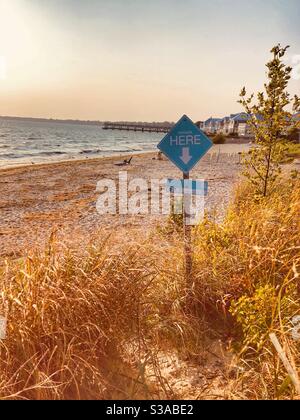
{"type": "Point", "coordinates": [70, 321]}
{"type": "Point", "coordinates": [247, 280]}
{"type": "Point", "coordinates": [85, 325]}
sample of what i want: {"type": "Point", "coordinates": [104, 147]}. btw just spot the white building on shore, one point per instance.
{"type": "Point", "coordinates": [210, 126]}
{"type": "Point", "coordinates": [233, 125]}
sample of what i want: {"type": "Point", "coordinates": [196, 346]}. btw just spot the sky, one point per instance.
{"type": "Point", "coordinates": [141, 60]}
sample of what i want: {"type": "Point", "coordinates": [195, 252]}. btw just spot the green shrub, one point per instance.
{"type": "Point", "coordinates": [219, 139]}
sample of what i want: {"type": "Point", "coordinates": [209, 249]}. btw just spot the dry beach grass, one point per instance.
{"type": "Point", "coordinates": [109, 320]}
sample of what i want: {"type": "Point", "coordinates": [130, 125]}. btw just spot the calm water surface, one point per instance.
{"type": "Point", "coordinates": [26, 142]}
{"type": "Point", "coordinates": [23, 142]}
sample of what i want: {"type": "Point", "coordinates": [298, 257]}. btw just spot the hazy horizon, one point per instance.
{"type": "Point", "coordinates": [138, 60]}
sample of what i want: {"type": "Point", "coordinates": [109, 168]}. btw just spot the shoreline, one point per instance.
{"type": "Point", "coordinates": [241, 145]}
{"type": "Point", "coordinates": [73, 161]}
{"type": "Point", "coordinates": [61, 197]}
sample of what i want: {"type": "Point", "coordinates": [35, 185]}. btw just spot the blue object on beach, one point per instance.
{"type": "Point", "coordinates": [194, 187]}
{"type": "Point", "coordinates": [185, 144]}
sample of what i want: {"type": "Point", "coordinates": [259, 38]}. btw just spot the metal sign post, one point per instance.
{"type": "Point", "coordinates": [187, 229]}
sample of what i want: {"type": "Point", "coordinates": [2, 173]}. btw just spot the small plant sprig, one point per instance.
{"type": "Point", "coordinates": [270, 123]}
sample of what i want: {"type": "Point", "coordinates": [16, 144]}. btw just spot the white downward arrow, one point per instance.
{"type": "Point", "coordinates": [186, 157]}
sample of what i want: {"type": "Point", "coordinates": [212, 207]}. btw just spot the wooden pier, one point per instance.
{"type": "Point", "coordinates": [144, 127]}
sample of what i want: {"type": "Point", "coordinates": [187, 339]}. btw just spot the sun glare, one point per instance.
{"type": "Point", "coordinates": [17, 43]}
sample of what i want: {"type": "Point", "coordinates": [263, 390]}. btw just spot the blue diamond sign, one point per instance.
{"type": "Point", "coordinates": [185, 144]}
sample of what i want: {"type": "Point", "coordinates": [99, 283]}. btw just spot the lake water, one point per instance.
{"type": "Point", "coordinates": [23, 142]}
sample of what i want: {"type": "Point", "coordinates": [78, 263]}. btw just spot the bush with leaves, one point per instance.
{"type": "Point", "coordinates": [219, 139]}
{"type": "Point", "coordinates": [270, 122]}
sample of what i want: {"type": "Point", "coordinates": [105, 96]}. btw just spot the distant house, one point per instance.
{"type": "Point", "coordinates": [233, 125]}
{"type": "Point", "coordinates": [239, 125]}
{"type": "Point", "coordinates": [244, 130]}
{"type": "Point", "coordinates": [210, 126]}
{"type": "Point", "coordinates": [223, 126]}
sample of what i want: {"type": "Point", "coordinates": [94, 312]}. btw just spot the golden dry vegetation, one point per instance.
{"type": "Point", "coordinates": [95, 324]}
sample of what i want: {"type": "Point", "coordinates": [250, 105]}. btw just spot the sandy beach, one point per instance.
{"type": "Point", "coordinates": [39, 199]}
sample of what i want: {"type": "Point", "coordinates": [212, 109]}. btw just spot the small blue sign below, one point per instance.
{"type": "Point", "coordinates": [185, 144]}
{"type": "Point", "coordinates": [187, 186]}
